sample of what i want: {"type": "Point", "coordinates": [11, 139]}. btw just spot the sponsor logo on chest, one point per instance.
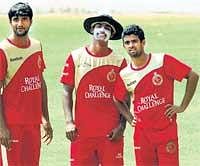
{"type": "Point", "coordinates": [31, 83]}
{"type": "Point", "coordinates": [16, 59]}
{"type": "Point", "coordinates": [148, 102]}
{"type": "Point", "coordinates": [97, 91]}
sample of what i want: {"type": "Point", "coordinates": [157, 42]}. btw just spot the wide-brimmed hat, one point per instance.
{"type": "Point", "coordinates": [116, 26]}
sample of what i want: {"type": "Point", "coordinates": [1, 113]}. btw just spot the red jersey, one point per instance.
{"type": "Point", "coordinates": [152, 87]}
{"type": "Point", "coordinates": [21, 70]}
{"type": "Point", "coordinates": [93, 78]}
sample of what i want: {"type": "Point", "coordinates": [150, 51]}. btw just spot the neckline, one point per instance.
{"type": "Point", "coordinates": [97, 55]}
{"type": "Point", "coordinates": [142, 67]}
{"type": "Point", "coordinates": [29, 43]}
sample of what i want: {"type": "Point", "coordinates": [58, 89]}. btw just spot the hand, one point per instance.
{"type": "Point", "coordinates": [171, 110]}
{"type": "Point", "coordinates": [48, 133]}
{"type": "Point", "coordinates": [133, 122]}
{"type": "Point", "coordinates": [116, 133]}
{"type": "Point", "coordinates": [71, 131]}
{"type": "Point", "coordinates": [5, 138]}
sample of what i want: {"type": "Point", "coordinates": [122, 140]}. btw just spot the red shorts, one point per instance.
{"type": "Point", "coordinates": [153, 151]}
{"type": "Point", "coordinates": [98, 150]}
{"type": "Point", "coordinates": [25, 146]}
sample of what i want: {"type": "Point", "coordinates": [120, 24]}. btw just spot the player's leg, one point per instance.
{"type": "Point", "coordinates": [1, 157]}
{"type": "Point", "coordinates": [168, 153]}
{"type": "Point", "coordinates": [110, 152]}
{"type": "Point", "coordinates": [31, 143]}
{"type": "Point", "coordinates": [168, 148]}
{"type": "Point", "coordinates": [12, 157]}
{"type": "Point", "coordinates": [145, 151]}
{"type": "Point", "coordinates": [83, 152]}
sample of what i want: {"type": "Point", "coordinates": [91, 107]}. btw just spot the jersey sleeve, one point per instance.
{"type": "Point", "coordinates": [175, 68]}
{"type": "Point", "coordinates": [67, 76]}
{"type": "Point", "coordinates": [3, 65]}
{"type": "Point", "coordinates": [120, 91]}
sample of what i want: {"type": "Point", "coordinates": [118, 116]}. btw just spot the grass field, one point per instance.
{"type": "Point", "coordinates": [175, 34]}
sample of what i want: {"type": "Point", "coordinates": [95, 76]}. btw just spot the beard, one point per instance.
{"type": "Point", "coordinates": [136, 54]}
{"type": "Point", "coordinates": [21, 33]}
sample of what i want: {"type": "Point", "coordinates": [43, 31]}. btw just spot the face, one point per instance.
{"type": "Point", "coordinates": [20, 25]}
{"type": "Point", "coordinates": [133, 45]}
{"type": "Point", "coordinates": [102, 31]}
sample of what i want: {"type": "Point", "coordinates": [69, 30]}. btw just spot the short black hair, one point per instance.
{"type": "Point", "coordinates": [135, 30]}
{"type": "Point", "coordinates": [20, 9]}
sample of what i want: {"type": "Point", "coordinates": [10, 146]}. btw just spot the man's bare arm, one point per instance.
{"type": "Point", "coordinates": [4, 132]}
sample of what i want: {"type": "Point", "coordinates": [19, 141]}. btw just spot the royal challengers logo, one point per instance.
{"type": "Point", "coordinates": [111, 76]}
{"type": "Point", "coordinates": [39, 62]}
{"type": "Point", "coordinates": [157, 79]}
{"type": "Point", "coordinates": [171, 147]}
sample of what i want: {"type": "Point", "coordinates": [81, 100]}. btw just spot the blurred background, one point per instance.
{"type": "Point", "coordinates": [125, 6]}
{"type": "Point", "coordinates": [170, 26]}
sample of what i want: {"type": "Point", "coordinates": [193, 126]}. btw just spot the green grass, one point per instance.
{"type": "Point", "coordinates": [59, 34]}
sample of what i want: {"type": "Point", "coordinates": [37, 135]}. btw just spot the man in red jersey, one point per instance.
{"type": "Point", "coordinates": [96, 131]}
{"type": "Point", "coordinates": [149, 78]}
{"type": "Point", "coordinates": [23, 100]}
